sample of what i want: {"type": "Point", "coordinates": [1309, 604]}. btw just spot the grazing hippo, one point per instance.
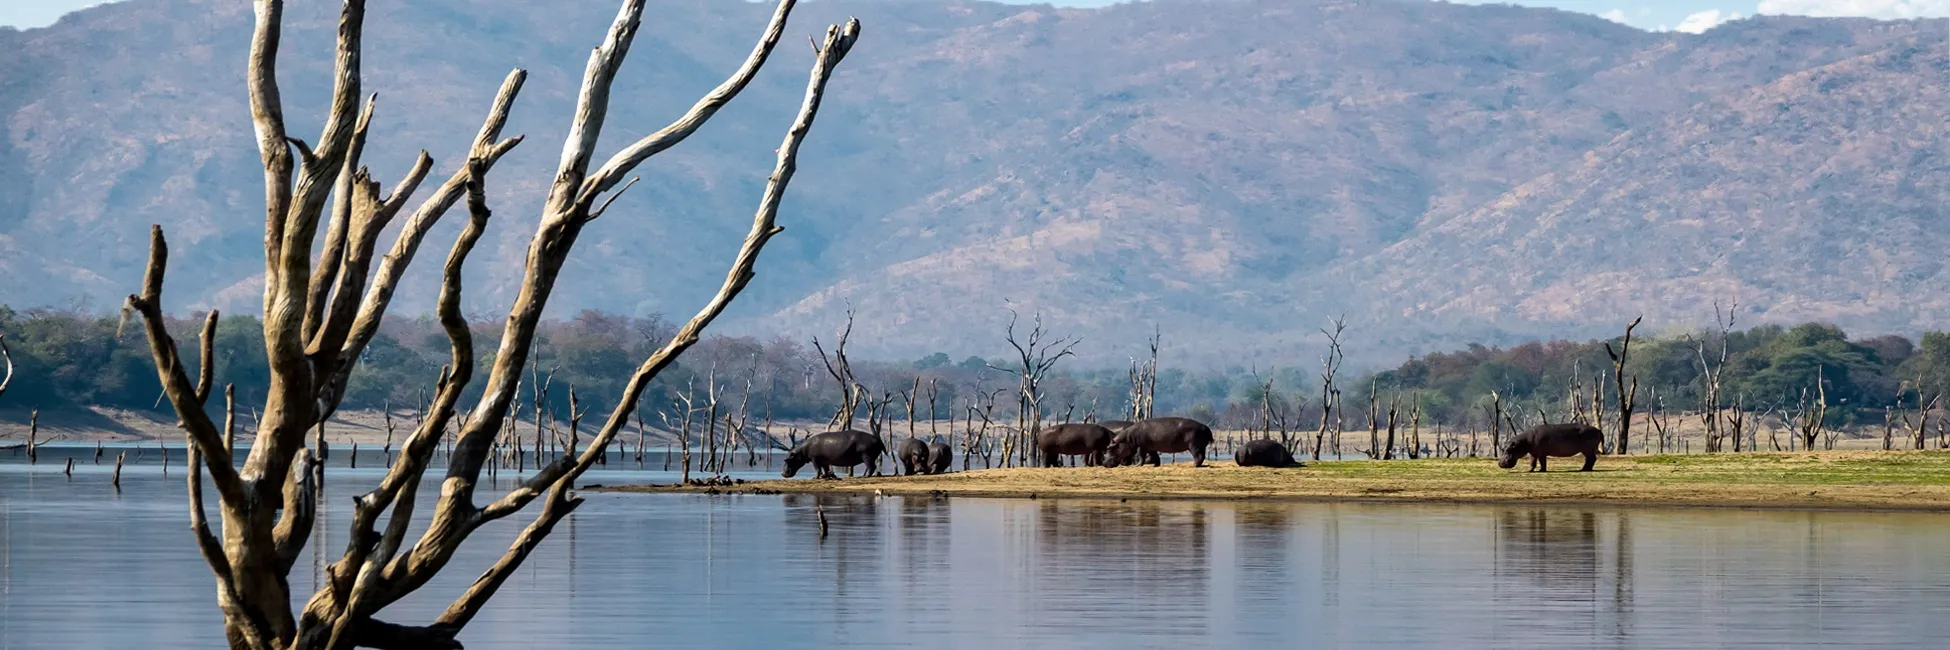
{"type": "Point", "coordinates": [1144, 440]}
{"type": "Point", "coordinates": [1264, 453]}
{"type": "Point", "coordinates": [940, 457]}
{"type": "Point", "coordinates": [913, 455]}
{"type": "Point", "coordinates": [1558, 440]}
{"type": "Point", "coordinates": [1086, 440]}
{"type": "Point", "coordinates": [836, 449]}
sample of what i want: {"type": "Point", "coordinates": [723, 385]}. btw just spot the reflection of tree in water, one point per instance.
{"type": "Point", "coordinates": [1146, 561]}
{"type": "Point", "coordinates": [853, 546]}
{"type": "Point", "coordinates": [1579, 560]}
{"type": "Point", "coordinates": [922, 553]}
{"type": "Point", "coordinates": [1263, 541]}
{"type": "Point", "coordinates": [1556, 548]}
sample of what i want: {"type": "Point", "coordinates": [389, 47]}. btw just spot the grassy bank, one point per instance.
{"type": "Point", "coordinates": [1836, 479]}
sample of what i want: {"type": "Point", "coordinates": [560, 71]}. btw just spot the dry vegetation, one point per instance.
{"type": "Point", "coordinates": [1838, 479]}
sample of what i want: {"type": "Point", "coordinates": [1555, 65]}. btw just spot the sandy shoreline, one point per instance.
{"type": "Point", "coordinates": [1847, 480]}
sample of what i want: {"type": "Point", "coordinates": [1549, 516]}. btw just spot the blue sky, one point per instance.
{"type": "Point", "coordinates": [1684, 15]}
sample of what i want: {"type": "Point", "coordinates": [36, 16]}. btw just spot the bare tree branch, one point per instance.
{"type": "Point", "coordinates": [487, 147]}
{"type": "Point", "coordinates": [839, 41]}
{"type": "Point", "coordinates": [9, 356]}
{"type": "Point", "coordinates": [620, 165]}
{"type": "Point", "coordinates": [267, 116]}
{"type": "Point", "coordinates": [169, 369]}
{"type": "Point", "coordinates": [206, 370]}
{"type": "Point", "coordinates": [326, 271]}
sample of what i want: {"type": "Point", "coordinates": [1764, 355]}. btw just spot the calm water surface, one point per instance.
{"type": "Point", "coordinates": [84, 567]}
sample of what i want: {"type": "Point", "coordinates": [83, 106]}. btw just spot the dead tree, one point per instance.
{"type": "Point", "coordinates": [1710, 401]}
{"type": "Point", "coordinates": [1374, 421]}
{"type": "Point", "coordinates": [320, 313]}
{"type": "Point", "coordinates": [1415, 430]}
{"type": "Point", "coordinates": [1144, 380]}
{"type": "Point", "coordinates": [34, 433]}
{"type": "Point", "coordinates": [1394, 413]}
{"type": "Point", "coordinates": [909, 396]}
{"type": "Point", "coordinates": [852, 393]}
{"type": "Point", "coordinates": [1810, 414]}
{"type": "Point", "coordinates": [1626, 395]}
{"type": "Point", "coordinates": [1495, 411]}
{"type": "Point", "coordinates": [1773, 433]}
{"type": "Point", "coordinates": [1889, 425]}
{"type": "Point", "coordinates": [686, 404]}
{"type": "Point", "coordinates": [1918, 428]}
{"type": "Point", "coordinates": [1330, 394]}
{"type": "Point", "coordinates": [1736, 421]}
{"type": "Point", "coordinates": [738, 428]}
{"type": "Point", "coordinates": [710, 440]}
{"type": "Point", "coordinates": [934, 395]}
{"type": "Point", "coordinates": [1661, 420]}
{"type": "Point", "coordinates": [642, 432]}
{"type": "Point", "coordinates": [976, 440]}
{"type": "Point", "coordinates": [1035, 357]}
{"type": "Point", "coordinates": [1575, 397]}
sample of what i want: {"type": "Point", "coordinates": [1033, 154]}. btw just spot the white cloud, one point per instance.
{"type": "Point", "coordinates": [1615, 16]}
{"type": "Point", "coordinates": [1883, 9]}
{"type": "Point", "coordinates": [1699, 22]}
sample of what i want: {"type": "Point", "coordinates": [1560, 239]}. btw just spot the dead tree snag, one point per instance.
{"type": "Point", "coordinates": [1626, 395]}
{"type": "Point", "coordinates": [320, 313]}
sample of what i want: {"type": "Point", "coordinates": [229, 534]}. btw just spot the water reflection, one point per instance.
{"type": "Point", "coordinates": [753, 572]}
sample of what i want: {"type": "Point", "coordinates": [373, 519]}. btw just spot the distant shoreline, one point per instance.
{"type": "Point", "coordinates": [1908, 481]}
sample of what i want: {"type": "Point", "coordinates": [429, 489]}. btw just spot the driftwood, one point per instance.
{"type": "Point", "coordinates": [321, 311]}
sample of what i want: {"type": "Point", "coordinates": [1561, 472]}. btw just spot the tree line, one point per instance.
{"type": "Point", "coordinates": [70, 359]}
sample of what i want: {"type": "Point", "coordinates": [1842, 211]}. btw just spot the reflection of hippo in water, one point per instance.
{"type": "Point", "coordinates": [1086, 440]}
{"type": "Point", "coordinates": [1561, 440]}
{"type": "Point", "coordinates": [940, 457]}
{"type": "Point", "coordinates": [836, 449]}
{"type": "Point", "coordinates": [1264, 453]}
{"type": "Point", "coordinates": [1155, 436]}
{"type": "Point", "coordinates": [913, 455]}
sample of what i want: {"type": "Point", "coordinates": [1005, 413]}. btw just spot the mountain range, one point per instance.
{"type": "Point", "coordinates": [1233, 173]}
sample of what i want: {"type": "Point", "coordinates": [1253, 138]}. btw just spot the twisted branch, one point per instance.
{"type": "Point", "coordinates": [839, 41]}
{"type": "Point", "coordinates": [182, 394]}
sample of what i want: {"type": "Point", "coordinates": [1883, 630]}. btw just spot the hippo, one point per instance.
{"type": "Point", "coordinates": [836, 449]}
{"type": "Point", "coordinates": [1086, 440]}
{"type": "Point", "coordinates": [1549, 440]}
{"type": "Point", "coordinates": [1118, 426]}
{"type": "Point", "coordinates": [913, 455]}
{"type": "Point", "coordinates": [940, 457]}
{"type": "Point", "coordinates": [1264, 453]}
{"type": "Point", "coordinates": [1144, 440]}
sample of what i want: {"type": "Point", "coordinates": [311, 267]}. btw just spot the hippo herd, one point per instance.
{"type": "Point", "coordinates": [1105, 444]}
{"type": "Point", "coordinates": [918, 457]}
{"type": "Point", "coordinates": [1118, 442]}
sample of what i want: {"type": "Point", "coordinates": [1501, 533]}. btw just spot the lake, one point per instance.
{"type": "Point", "coordinates": [86, 567]}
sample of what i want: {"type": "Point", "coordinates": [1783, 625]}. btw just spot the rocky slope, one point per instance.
{"type": "Point", "coordinates": [1235, 172]}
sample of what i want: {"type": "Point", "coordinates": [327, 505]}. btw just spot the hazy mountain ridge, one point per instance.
{"type": "Point", "coordinates": [1234, 171]}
